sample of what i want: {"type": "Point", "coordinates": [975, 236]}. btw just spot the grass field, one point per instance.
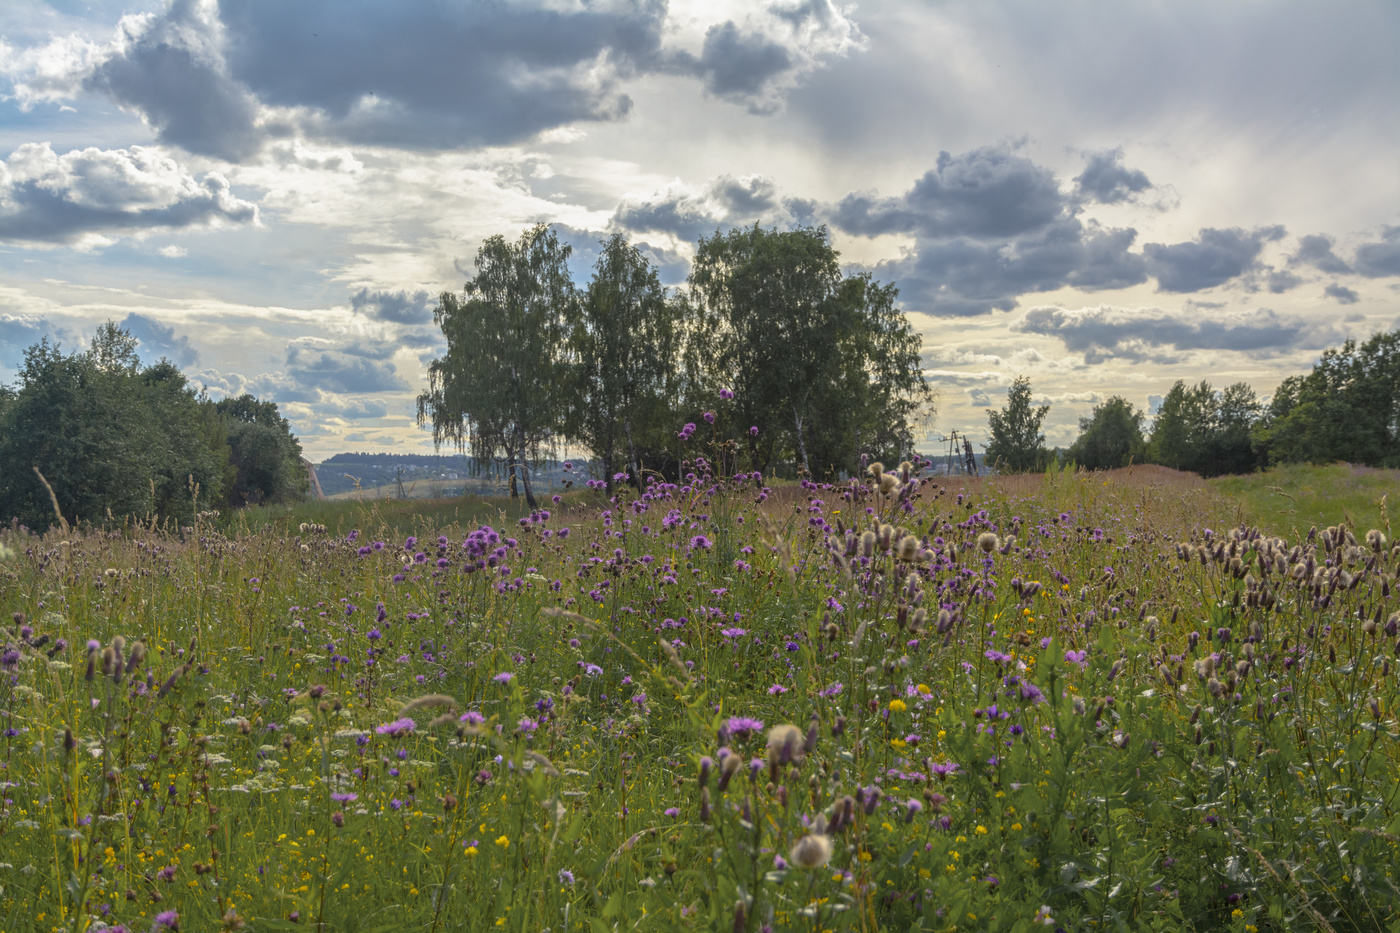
{"type": "Point", "coordinates": [1078, 702]}
{"type": "Point", "coordinates": [1291, 499]}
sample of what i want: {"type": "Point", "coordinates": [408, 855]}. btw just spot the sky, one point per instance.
{"type": "Point", "coordinates": [1101, 197]}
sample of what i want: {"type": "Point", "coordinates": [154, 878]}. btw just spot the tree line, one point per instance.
{"type": "Point", "coordinates": [813, 367]}
{"type": "Point", "coordinates": [1346, 408]}
{"type": "Point", "coordinates": [115, 439]}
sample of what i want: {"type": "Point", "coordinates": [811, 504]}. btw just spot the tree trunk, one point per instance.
{"type": "Point", "coordinates": [632, 464]}
{"type": "Point", "coordinates": [510, 470]}
{"type": "Point", "coordinates": [529, 492]}
{"type": "Point", "coordinates": [801, 445]}
{"type": "Point", "coordinates": [525, 472]}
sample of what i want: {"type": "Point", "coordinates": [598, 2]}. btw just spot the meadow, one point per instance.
{"type": "Point", "coordinates": [906, 702]}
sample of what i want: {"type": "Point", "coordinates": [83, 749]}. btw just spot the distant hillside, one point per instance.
{"type": "Point", "coordinates": [446, 475]}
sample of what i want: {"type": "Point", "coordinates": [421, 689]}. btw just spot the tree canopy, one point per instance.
{"type": "Point", "coordinates": [824, 362]}
{"type": "Point", "coordinates": [1017, 445]}
{"type": "Point", "coordinates": [1110, 437]}
{"type": "Point", "coordinates": [499, 390]}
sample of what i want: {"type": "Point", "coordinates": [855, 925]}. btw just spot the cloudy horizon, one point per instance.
{"type": "Point", "coordinates": [1102, 198]}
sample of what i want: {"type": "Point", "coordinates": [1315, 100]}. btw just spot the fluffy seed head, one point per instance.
{"type": "Point", "coordinates": [811, 851]}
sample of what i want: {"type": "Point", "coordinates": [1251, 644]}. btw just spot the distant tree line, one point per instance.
{"type": "Point", "coordinates": [115, 439]}
{"type": "Point", "coordinates": [1347, 408]}
{"type": "Point", "coordinates": [822, 366]}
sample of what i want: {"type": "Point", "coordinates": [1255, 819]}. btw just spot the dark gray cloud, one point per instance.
{"type": "Point", "coordinates": [740, 66]}
{"type": "Point", "coordinates": [986, 193]}
{"type": "Point", "coordinates": [400, 307]}
{"type": "Point", "coordinates": [353, 369]}
{"type": "Point", "coordinates": [1152, 333]}
{"type": "Point", "coordinates": [222, 78]}
{"type": "Point", "coordinates": [1316, 250]}
{"type": "Point", "coordinates": [172, 73]}
{"type": "Point", "coordinates": [1380, 258]}
{"type": "Point", "coordinates": [1343, 294]}
{"type": "Point", "coordinates": [46, 197]}
{"type": "Point", "coordinates": [1281, 280]}
{"type": "Point", "coordinates": [990, 225]}
{"type": "Point", "coordinates": [1107, 181]}
{"type": "Point", "coordinates": [156, 340]}
{"type": "Point", "coordinates": [1216, 257]}
{"type": "Point", "coordinates": [725, 202]}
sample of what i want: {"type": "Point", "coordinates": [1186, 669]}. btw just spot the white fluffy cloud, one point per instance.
{"type": "Point", "coordinates": [51, 198]}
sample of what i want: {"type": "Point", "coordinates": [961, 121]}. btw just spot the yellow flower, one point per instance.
{"type": "Point", "coordinates": [924, 689]}
{"type": "Point", "coordinates": [981, 830]}
{"type": "Point", "coordinates": [503, 842]}
{"type": "Point", "coordinates": [898, 706]}
{"type": "Point", "coordinates": [1237, 914]}
{"type": "Point", "coordinates": [471, 851]}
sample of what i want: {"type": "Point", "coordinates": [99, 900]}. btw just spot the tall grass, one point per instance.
{"type": "Point", "coordinates": [1076, 701]}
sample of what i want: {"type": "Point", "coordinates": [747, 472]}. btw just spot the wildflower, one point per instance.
{"type": "Point", "coordinates": [472, 718]}
{"type": "Point", "coordinates": [811, 851]}
{"type": "Point", "coordinates": [785, 744]}
{"type": "Point", "coordinates": [911, 809]}
{"type": "Point", "coordinates": [566, 876]}
{"type": "Point", "coordinates": [503, 842]}
{"type": "Point", "coordinates": [741, 727]}
{"type": "Point", "coordinates": [898, 706]}
{"type": "Point", "coordinates": [671, 812]}
{"type": "Point", "coordinates": [753, 431]}
{"type": "Point", "coordinates": [734, 632]}
{"type": "Point", "coordinates": [167, 918]}
{"type": "Point", "coordinates": [398, 727]}
{"type": "Point", "coordinates": [503, 677]}
{"type": "Point", "coordinates": [987, 542]}
{"type": "Point", "coordinates": [709, 417]}
{"type": "Point", "coordinates": [526, 726]}
{"type": "Point", "coordinates": [726, 394]}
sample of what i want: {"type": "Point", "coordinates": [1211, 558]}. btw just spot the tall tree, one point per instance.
{"type": "Point", "coordinates": [1110, 437]}
{"type": "Point", "coordinates": [827, 365]}
{"type": "Point", "coordinates": [498, 391]}
{"type": "Point", "coordinates": [1017, 444]}
{"type": "Point", "coordinates": [1205, 431]}
{"type": "Point", "coordinates": [1346, 408]}
{"type": "Point", "coordinates": [623, 343]}
{"type": "Point", "coordinates": [110, 437]}
{"type": "Point", "coordinates": [264, 455]}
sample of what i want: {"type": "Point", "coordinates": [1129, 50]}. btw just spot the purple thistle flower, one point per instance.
{"type": "Point", "coordinates": [709, 417]}
{"type": "Point", "coordinates": [169, 919]}
{"type": "Point", "coordinates": [741, 727]}
{"type": "Point", "coordinates": [396, 728]}
{"type": "Point", "coordinates": [503, 677]}
{"type": "Point", "coordinates": [345, 798]}
{"type": "Point", "coordinates": [753, 431]}
{"type": "Point", "coordinates": [726, 394]}
{"type": "Point", "coordinates": [472, 718]}
{"type": "Point", "coordinates": [527, 725]}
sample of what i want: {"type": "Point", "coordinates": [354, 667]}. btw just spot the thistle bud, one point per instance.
{"type": "Point", "coordinates": [1375, 706]}
{"type": "Point", "coordinates": [704, 805]}
{"type": "Point", "coordinates": [69, 743]}
{"type": "Point", "coordinates": [727, 769]}
{"type": "Point", "coordinates": [706, 763]}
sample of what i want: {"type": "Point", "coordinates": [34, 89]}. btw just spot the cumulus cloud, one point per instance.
{"type": "Point", "coordinates": [1316, 250]}
{"type": "Point", "coordinates": [990, 225]}
{"type": "Point", "coordinates": [223, 77]}
{"type": "Point", "coordinates": [755, 64]}
{"type": "Point", "coordinates": [688, 214]}
{"type": "Point", "coordinates": [1380, 258]}
{"type": "Point", "coordinates": [1106, 180]}
{"type": "Point", "coordinates": [1163, 336]}
{"type": "Point", "coordinates": [1344, 295]}
{"type": "Point", "coordinates": [1281, 280]}
{"type": "Point", "coordinates": [156, 340]}
{"type": "Point", "coordinates": [400, 307]}
{"type": "Point", "coordinates": [50, 198]}
{"type": "Point", "coordinates": [350, 369]}
{"type": "Point", "coordinates": [1216, 257]}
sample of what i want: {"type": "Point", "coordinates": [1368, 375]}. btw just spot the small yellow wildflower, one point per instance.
{"type": "Point", "coordinates": [898, 706]}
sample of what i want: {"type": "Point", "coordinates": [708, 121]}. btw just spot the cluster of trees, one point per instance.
{"type": "Point", "coordinates": [822, 366]}
{"type": "Point", "coordinates": [115, 439]}
{"type": "Point", "coordinates": [1347, 408]}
